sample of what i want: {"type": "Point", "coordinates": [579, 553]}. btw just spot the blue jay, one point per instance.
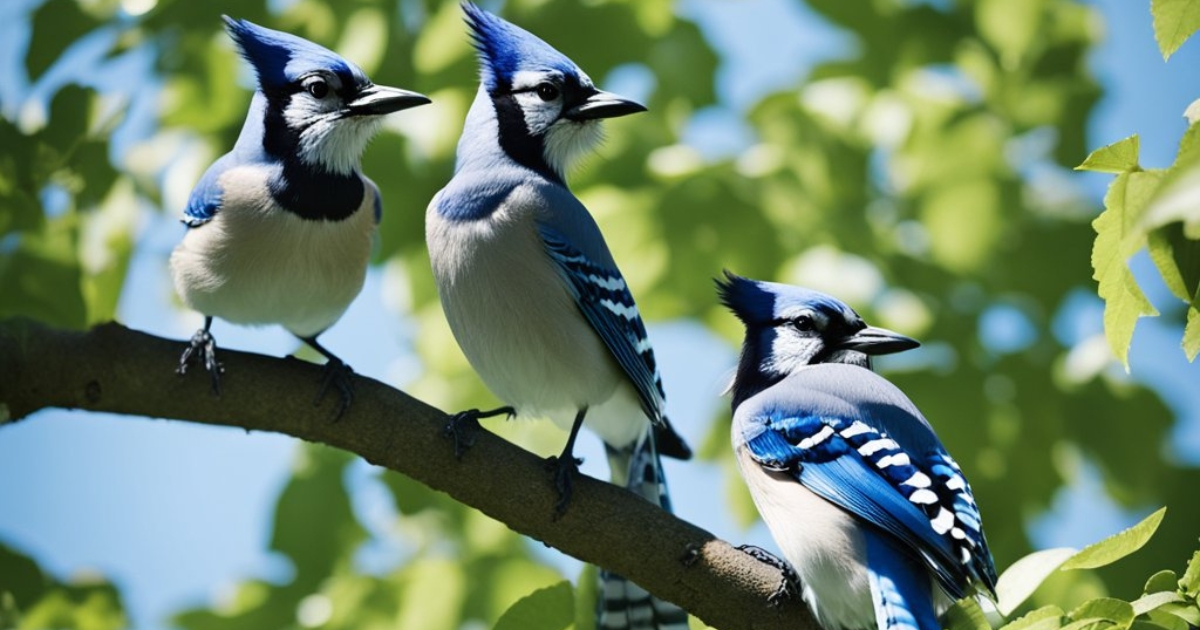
{"type": "Point", "coordinates": [525, 278]}
{"type": "Point", "coordinates": [872, 512]}
{"type": "Point", "coordinates": [279, 229]}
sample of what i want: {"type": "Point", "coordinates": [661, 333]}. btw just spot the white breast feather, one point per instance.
{"type": "Point", "coordinates": [520, 328]}
{"type": "Point", "coordinates": [257, 264]}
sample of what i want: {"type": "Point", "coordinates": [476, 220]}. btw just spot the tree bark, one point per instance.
{"type": "Point", "coordinates": [113, 369]}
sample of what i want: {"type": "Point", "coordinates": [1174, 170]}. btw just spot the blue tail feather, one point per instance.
{"type": "Point", "coordinates": [901, 588]}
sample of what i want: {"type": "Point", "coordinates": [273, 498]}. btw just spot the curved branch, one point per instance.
{"type": "Point", "coordinates": [114, 369]}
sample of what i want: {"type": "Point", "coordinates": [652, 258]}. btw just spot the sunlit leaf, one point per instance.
{"type": "Point", "coordinates": [1164, 580]}
{"type": "Point", "coordinates": [1117, 238]}
{"type": "Point", "coordinates": [1118, 157]}
{"type": "Point", "coordinates": [1146, 603]}
{"type": "Point", "coordinates": [1105, 612]}
{"type": "Point", "coordinates": [1045, 618]}
{"type": "Point", "coordinates": [1118, 545]}
{"type": "Point", "coordinates": [1190, 582]}
{"type": "Point", "coordinates": [1191, 331]}
{"type": "Point", "coordinates": [1020, 580]}
{"type": "Point", "coordinates": [1186, 611]}
{"type": "Point", "coordinates": [1174, 22]}
{"type": "Point", "coordinates": [965, 614]}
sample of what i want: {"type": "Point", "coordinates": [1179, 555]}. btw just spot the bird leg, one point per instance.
{"type": "Point", "coordinates": [203, 348]}
{"type": "Point", "coordinates": [336, 374]}
{"type": "Point", "coordinates": [462, 426]}
{"type": "Point", "coordinates": [789, 578]}
{"type": "Point", "coordinates": [566, 465]}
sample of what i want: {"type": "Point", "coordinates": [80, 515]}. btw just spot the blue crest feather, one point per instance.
{"type": "Point", "coordinates": [504, 48]}
{"type": "Point", "coordinates": [752, 303]}
{"type": "Point", "coordinates": [759, 303]}
{"type": "Point", "coordinates": [280, 58]}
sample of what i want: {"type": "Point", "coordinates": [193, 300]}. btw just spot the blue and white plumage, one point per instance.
{"type": "Point", "coordinates": [280, 228]}
{"type": "Point", "coordinates": [871, 511]}
{"type": "Point", "coordinates": [525, 277]}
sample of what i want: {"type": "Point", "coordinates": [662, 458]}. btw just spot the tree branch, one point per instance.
{"type": "Point", "coordinates": [114, 369]}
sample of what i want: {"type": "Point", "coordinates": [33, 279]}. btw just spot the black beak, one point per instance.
{"type": "Point", "coordinates": [602, 104]}
{"type": "Point", "coordinates": [875, 341]}
{"type": "Point", "coordinates": [376, 100]}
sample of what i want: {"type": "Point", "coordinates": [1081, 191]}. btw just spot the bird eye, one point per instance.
{"type": "Point", "coordinates": [547, 91]}
{"type": "Point", "coordinates": [804, 323]}
{"type": "Point", "coordinates": [317, 87]}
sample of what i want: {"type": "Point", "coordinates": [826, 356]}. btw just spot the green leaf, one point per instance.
{"type": "Point", "coordinates": [1021, 579]}
{"type": "Point", "coordinates": [1118, 545]}
{"type": "Point", "coordinates": [587, 593]}
{"type": "Point", "coordinates": [1174, 22]}
{"type": "Point", "coordinates": [1187, 611]}
{"type": "Point", "coordinates": [1191, 331]}
{"type": "Point", "coordinates": [1164, 580]}
{"type": "Point", "coordinates": [1190, 582]}
{"type": "Point", "coordinates": [1118, 157]}
{"type": "Point", "coordinates": [1167, 621]}
{"type": "Point", "coordinates": [1044, 618]}
{"type": "Point", "coordinates": [1177, 259]}
{"type": "Point", "coordinates": [550, 608]}
{"type": "Point", "coordinates": [1105, 612]}
{"type": "Point", "coordinates": [966, 614]}
{"type": "Point", "coordinates": [1146, 603]}
{"type": "Point", "coordinates": [1117, 238]}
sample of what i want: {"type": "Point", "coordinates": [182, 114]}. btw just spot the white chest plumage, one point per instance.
{"type": "Point", "coordinates": [820, 541]}
{"type": "Point", "coordinates": [257, 264]}
{"type": "Point", "coordinates": [519, 326]}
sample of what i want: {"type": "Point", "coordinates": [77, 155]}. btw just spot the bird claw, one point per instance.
{"type": "Point", "coordinates": [691, 555]}
{"type": "Point", "coordinates": [203, 348]}
{"type": "Point", "coordinates": [338, 375]}
{"type": "Point", "coordinates": [463, 425]}
{"type": "Point", "coordinates": [563, 468]}
{"type": "Point", "coordinates": [787, 581]}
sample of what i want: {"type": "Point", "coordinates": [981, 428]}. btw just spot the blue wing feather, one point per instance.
{"type": "Point", "coordinates": [920, 499]}
{"type": "Point", "coordinates": [608, 306]}
{"type": "Point", "coordinates": [205, 200]}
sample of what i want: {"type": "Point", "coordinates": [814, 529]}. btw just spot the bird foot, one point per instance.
{"type": "Point", "coordinates": [336, 374]}
{"type": "Point", "coordinates": [788, 580]}
{"type": "Point", "coordinates": [203, 348]}
{"type": "Point", "coordinates": [563, 468]}
{"type": "Point", "coordinates": [463, 425]}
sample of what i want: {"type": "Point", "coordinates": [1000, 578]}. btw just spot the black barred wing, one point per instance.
{"type": "Point", "coordinates": [921, 498]}
{"type": "Point", "coordinates": [605, 301]}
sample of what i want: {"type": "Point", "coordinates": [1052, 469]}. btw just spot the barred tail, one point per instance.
{"type": "Point", "coordinates": [623, 605]}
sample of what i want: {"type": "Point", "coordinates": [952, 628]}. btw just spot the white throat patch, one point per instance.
{"type": "Point", "coordinates": [327, 139]}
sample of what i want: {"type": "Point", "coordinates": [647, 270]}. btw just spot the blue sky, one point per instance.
{"type": "Point", "coordinates": [172, 511]}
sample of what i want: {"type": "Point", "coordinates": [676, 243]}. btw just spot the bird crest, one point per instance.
{"type": "Point", "coordinates": [281, 58]}
{"type": "Point", "coordinates": [749, 301]}
{"type": "Point", "coordinates": [759, 303]}
{"type": "Point", "coordinates": [505, 49]}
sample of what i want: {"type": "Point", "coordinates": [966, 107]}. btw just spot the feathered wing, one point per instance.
{"type": "Point", "coordinates": [849, 454]}
{"type": "Point", "coordinates": [205, 200]}
{"type": "Point", "coordinates": [605, 301]}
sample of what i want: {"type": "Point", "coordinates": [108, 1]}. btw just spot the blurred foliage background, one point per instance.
{"type": "Point", "coordinates": [923, 176]}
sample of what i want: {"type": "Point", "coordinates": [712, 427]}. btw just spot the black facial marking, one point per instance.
{"type": "Point", "coordinates": [306, 190]}
{"type": "Point", "coordinates": [526, 149]}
